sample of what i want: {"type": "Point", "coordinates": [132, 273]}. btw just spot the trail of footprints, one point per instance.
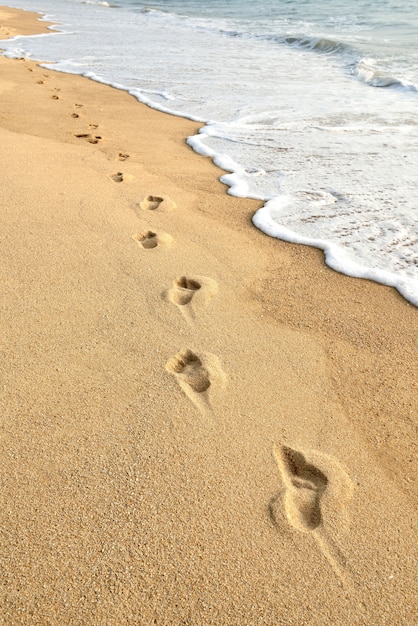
{"type": "Point", "coordinates": [88, 135]}
{"type": "Point", "coordinates": [43, 81]}
{"type": "Point", "coordinates": [91, 137]}
{"type": "Point", "coordinates": [195, 374]}
{"type": "Point", "coordinates": [308, 478]}
{"type": "Point", "coordinates": [306, 482]}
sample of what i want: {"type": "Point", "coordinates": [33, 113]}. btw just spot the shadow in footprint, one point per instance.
{"type": "Point", "coordinates": [304, 487]}
{"type": "Point", "coordinates": [273, 509]}
{"type": "Point", "coordinates": [117, 177]}
{"type": "Point", "coordinates": [88, 137]}
{"type": "Point", "coordinates": [189, 368]}
{"type": "Point", "coordinates": [190, 293]}
{"type": "Point", "coordinates": [200, 377]}
{"type": "Point", "coordinates": [148, 239]}
{"type": "Point", "coordinates": [152, 203]}
{"type": "Point", "coordinates": [183, 290]}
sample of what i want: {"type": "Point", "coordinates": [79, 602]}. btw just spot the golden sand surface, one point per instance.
{"type": "Point", "coordinates": [199, 424]}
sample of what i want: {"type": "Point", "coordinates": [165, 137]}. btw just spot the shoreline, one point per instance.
{"type": "Point", "coordinates": [18, 22]}
{"type": "Point", "coordinates": [160, 358]}
{"type": "Point", "coordinates": [333, 251]}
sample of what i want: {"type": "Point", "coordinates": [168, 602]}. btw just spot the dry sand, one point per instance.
{"type": "Point", "coordinates": [199, 424]}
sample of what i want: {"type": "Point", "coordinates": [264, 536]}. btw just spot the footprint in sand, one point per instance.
{"type": "Point", "coordinates": [162, 203]}
{"type": "Point", "coordinates": [190, 293]}
{"type": "Point", "coordinates": [122, 156]}
{"type": "Point", "coordinates": [75, 115]}
{"type": "Point", "coordinates": [7, 32]}
{"type": "Point", "coordinates": [148, 239]}
{"type": "Point", "coordinates": [88, 137]}
{"type": "Point", "coordinates": [190, 369]}
{"type": "Point", "coordinates": [305, 486]}
{"type": "Point", "coordinates": [117, 177]}
{"type": "Point", "coordinates": [198, 376]}
{"type": "Point", "coordinates": [183, 290]}
{"type": "Point", "coordinates": [121, 177]}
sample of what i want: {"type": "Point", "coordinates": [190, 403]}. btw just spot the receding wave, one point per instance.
{"type": "Point", "coordinates": [101, 4]}
{"type": "Point", "coordinates": [350, 58]}
{"type": "Point", "coordinates": [368, 71]}
{"type": "Point", "coordinates": [321, 45]}
{"type": "Point", "coordinates": [152, 11]}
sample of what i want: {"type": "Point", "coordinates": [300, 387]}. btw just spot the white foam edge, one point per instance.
{"type": "Point", "coordinates": [335, 257]}
{"type": "Point", "coordinates": [235, 178]}
{"type": "Point", "coordinates": [5, 43]}
{"type": "Point", "coordinates": [55, 29]}
{"type": "Point", "coordinates": [68, 67]}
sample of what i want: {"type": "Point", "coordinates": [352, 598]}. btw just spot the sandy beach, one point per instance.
{"type": "Point", "coordinates": [199, 424]}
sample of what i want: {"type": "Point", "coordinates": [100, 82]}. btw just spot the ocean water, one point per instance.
{"type": "Point", "coordinates": [310, 105]}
